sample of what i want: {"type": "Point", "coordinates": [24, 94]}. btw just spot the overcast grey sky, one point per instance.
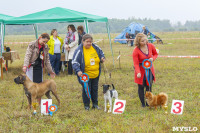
{"type": "Point", "coordinates": [174, 10]}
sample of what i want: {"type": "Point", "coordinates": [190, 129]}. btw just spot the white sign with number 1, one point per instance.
{"type": "Point", "coordinates": [177, 107]}
{"type": "Point", "coordinates": [45, 103]}
{"type": "Point", "coordinates": [119, 106]}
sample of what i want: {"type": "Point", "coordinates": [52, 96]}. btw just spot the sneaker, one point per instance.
{"type": "Point", "coordinates": [96, 107]}
{"type": "Point", "coordinates": [87, 108]}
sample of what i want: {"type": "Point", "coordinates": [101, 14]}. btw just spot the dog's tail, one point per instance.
{"type": "Point", "coordinates": [165, 98]}
{"type": "Point", "coordinates": [113, 87]}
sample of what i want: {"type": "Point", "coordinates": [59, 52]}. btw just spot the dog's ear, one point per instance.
{"type": "Point", "coordinates": [113, 86]}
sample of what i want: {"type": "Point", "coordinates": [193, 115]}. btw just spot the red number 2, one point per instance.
{"type": "Point", "coordinates": [46, 106]}
{"type": "Point", "coordinates": [179, 107]}
{"type": "Point", "coordinates": [117, 109]}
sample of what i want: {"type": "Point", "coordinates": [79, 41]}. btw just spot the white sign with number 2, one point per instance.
{"type": "Point", "coordinates": [45, 103]}
{"type": "Point", "coordinates": [119, 106]}
{"type": "Point", "coordinates": [177, 107]}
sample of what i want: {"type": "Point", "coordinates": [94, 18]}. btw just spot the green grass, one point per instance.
{"type": "Point", "coordinates": [179, 78]}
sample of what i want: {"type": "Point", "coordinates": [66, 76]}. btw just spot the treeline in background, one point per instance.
{"type": "Point", "coordinates": [116, 26]}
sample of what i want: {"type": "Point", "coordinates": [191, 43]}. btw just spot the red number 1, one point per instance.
{"type": "Point", "coordinates": [46, 106]}
{"type": "Point", "coordinates": [179, 107]}
{"type": "Point", "coordinates": [117, 109]}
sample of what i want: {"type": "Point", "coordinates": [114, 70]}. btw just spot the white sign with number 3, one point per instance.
{"type": "Point", "coordinates": [45, 103]}
{"type": "Point", "coordinates": [177, 107]}
{"type": "Point", "coordinates": [119, 106]}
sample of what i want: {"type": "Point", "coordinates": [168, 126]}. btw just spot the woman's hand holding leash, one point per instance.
{"type": "Point", "coordinates": [151, 59]}
{"type": "Point", "coordinates": [80, 74]}
{"type": "Point", "coordinates": [67, 47]}
{"type": "Point", "coordinates": [139, 75]}
{"type": "Point", "coordinates": [52, 75]}
{"type": "Point", "coordinates": [24, 69]}
{"type": "Point", "coordinates": [103, 59]}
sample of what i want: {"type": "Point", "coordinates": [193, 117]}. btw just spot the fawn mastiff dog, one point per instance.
{"type": "Point", "coordinates": [34, 91]}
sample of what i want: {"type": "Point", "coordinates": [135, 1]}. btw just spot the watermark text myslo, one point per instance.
{"type": "Point", "coordinates": [185, 129]}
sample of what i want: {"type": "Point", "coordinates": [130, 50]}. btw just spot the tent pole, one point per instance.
{"type": "Point", "coordinates": [2, 37]}
{"type": "Point", "coordinates": [108, 31]}
{"type": "Point", "coordinates": [86, 26]}
{"type": "Point", "coordinates": [36, 30]}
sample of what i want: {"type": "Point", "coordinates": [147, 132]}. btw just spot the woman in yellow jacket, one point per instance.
{"type": "Point", "coordinates": [55, 48]}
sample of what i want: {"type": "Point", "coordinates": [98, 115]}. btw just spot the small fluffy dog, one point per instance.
{"type": "Point", "coordinates": [156, 100]}
{"type": "Point", "coordinates": [35, 91]}
{"type": "Point", "coordinates": [108, 95]}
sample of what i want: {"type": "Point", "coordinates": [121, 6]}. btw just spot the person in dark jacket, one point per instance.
{"type": "Point", "coordinates": [87, 58]}
{"type": "Point", "coordinates": [144, 30]}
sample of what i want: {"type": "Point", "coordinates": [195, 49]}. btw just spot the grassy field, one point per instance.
{"type": "Point", "coordinates": [178, 77]}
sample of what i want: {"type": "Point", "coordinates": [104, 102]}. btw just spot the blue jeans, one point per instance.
{"type": "Point", "coordinates": [55, 62]}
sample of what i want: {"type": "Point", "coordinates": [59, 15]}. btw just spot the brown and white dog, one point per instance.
{"type": "Point", "coordinates": [35, 91]}
{"type": "Point", "coordinates": [156, 100]}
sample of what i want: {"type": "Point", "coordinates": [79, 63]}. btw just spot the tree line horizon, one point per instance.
{"type": "Point", "coordinates": [116, 26]}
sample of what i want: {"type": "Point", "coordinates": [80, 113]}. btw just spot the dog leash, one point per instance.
{"type": "Point", "coordinates": [23, 98]}
{"type": "Point", "coordinates": [106, 70]}
{"type": "Point", "coordinates": [104, 73]}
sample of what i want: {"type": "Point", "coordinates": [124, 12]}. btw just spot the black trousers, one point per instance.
{"type": "Point", "coordinates": [141, 92]}
{"type": "Point", "coordinates": [93, 87]}
{"type": "Point", "coordinates": [70, 69]}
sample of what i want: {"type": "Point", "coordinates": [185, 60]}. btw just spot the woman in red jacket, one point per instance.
{"type": "Point", "coordinates": [142, 51]}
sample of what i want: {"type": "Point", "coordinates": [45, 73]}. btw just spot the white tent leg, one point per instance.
{"type": "Point", "coordinates": [36, 30]}
{"type": "Point", "coordinates": [86, 26]}
{"type": "Point", "coordinates": [2, 38]}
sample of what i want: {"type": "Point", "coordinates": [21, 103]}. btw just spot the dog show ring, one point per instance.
{"type": "Point", "coordinates": [52, 108]}
{"type": "Point", "coordinates": [84, 79]}
{"type": "Point", "coordinates": [147, 64]}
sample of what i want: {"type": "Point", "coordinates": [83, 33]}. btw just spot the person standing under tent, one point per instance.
{"type": "Point", "coordinates": [71, 43]}
{"type": "Point", "coordinates": [81, 32]}
{"type": "Point", "coordinates": [55, 48]}
{"type": "Point", "coordinates": [149, 36]}
{"type": "Point", "coordinates": [142, 51]}
{"type": "Point", "coordinates": [127, 38]}
{"type": "Point", "coordinates": [132, 36]}
{"type": "Point", "coordinates": [144, 30]}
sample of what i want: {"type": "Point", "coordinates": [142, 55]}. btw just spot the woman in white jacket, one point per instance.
{"type": "Point", "coordinates": [71, 43]}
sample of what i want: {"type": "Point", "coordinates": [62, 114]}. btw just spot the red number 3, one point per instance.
{"type": "Point", "coordinates": [117, 109]}
{"type": "Point", "coordinates": [179, 107]}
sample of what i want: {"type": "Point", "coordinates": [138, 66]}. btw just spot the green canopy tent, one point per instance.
{"type": "Point", "coordinates": [2, 18]}
{"type": "Point", "coordinates": [58, 14]}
